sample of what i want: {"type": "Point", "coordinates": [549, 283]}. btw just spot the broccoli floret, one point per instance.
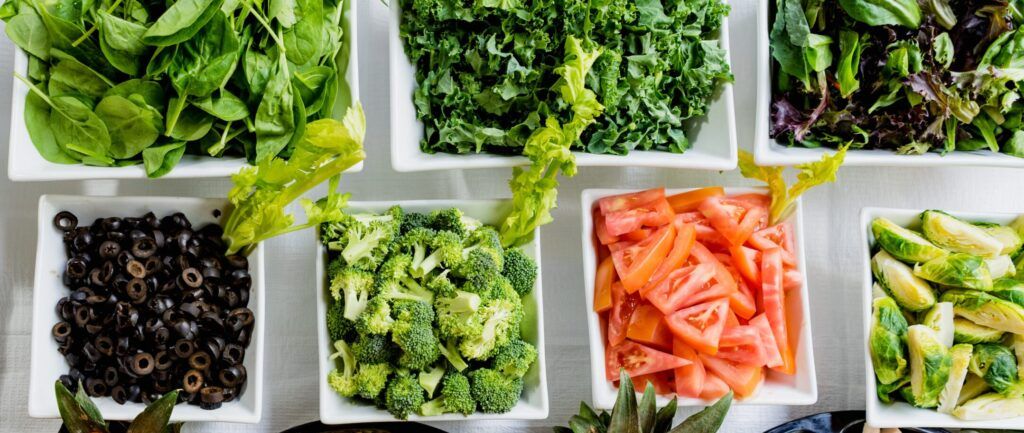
{"type": "Point", "coordinates": [514, 358]}
{"type": "Point", "coordinates": [407, 312]}
{"type": "Point", "coordinates": [338, 327]}
{"type": "Point", "coordinates": [413, 332]}
{"type": "Point", "coordinates": [457, 315]}
{"type": "Point", "coordinates": [451, 352]}
{"type": "Point", "coordinates": [335, 266]}
{"type": "Point", "coordinates": [376, 319]}
{"type": "Point", "coordinates": [456, 397]}
{"type": "Point", "coordinates": [521, 271]}
{"type": "Point", "coordinates": [352, 287]}
{"type": "Point", "coordinates": [373, 349]}
{"type": "Point", "coordinates": [501, 319]}
{"type": "Point", "coordinates": [404, 289]}
{"type": "Point", "coordinates": [343, 381]}
{"type": "Point", "coordinates": [453, 220]}
{"type": "Point", "coordinates": [362, 239]}
{"type": "Point", "coordinates": [429, 379]}
{"type": "Point", "coordinates": [501, 288]}
{"type": "Point", "coordinates": [396, 267]}
{"type": "Point", "coordinates": [430, 249]}
{"type": "Point", "coordinates": [404, 395]}
{"type": "Point", "coordinates": [372, 378]}
{"type": "Point", "coordinates": [414, 220]}
{"type": "Point", "coordinates": [485, 245]}
{"type": "Point", "coordinates": [495, 392]}
{"type": "Point", "coordinates": [441, 285]}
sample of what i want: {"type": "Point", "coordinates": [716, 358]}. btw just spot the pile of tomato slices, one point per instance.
{"type": "Point", "coordinates": [691, 291]}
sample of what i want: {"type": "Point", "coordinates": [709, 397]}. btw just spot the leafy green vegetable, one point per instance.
{"type": "Point", "coordinates": [125, 82]}
{"type": "Point", "coordinates": [784, 199]}
{"type": "Point", "coordinates": [906, 13]}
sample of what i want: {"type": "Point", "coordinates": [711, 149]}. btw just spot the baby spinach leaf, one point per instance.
{"type": "Point", "coordinates": [69, 76]}
{"type": "Point", "coordinates": [76, 127]}
{"type": "Point", "coordinates": [257, 67]}
{"type": "Point", "coordinates": [225, 106]}
{"type": "Point", "coordinates": [204, 64]}
{"type": "Point", "coordinates": [191, 125]}
{"type": "Point", "coordinates": [121, 42]}
{"type": "Point", "coordinates": [37, 122]}
{"type": "Point", "coordinates": [27, 31]}
{"type": "Point", "coordinates": [303, 41]}
{"type": "Point", "coordinates": [312, 83]}
{"type": "Point", "coordinates": [283, 11]}
{"type": "Point", "coordinates": [133, 125]}
{"type": "Point", "coordinates": [159, 160]}
{"type": "Point", "coordinates": [275, 117]}
{"type": "Point", "coordinates": [150, 91]}
{"type": "Point", "coordinates": [181, 21]}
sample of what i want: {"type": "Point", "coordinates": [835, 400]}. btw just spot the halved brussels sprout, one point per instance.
{"type": "Point", "coordinates": [997, 365]}
{"type": "Point", "coordinates": [940, 318]}
{"type": "Point", "coordinates": [961, 354]}
{"type": "Point", "coordinates": [973, 387]}
{"type": "Point", "coordinates": [930, 363]}
{"type": "Point", "coordinates": [885, 391]}
{"type": "Point", "coordinates": [904, 244]}
{"type": "Point", "coordinates": [1007, 236]}
{"type": "Point", "coordinates": [1017, 344]}
{"type": "Point", "coordinates": [1009, 289]}
{"type": "Point", "coordinates": [957, 235]}
{"type": "Point", "coordinates": [986, 310]}
{"type": "Point", "coordinates": [888, 330]}
{"type": "Point", "coordinates": [909, 291]}
{"type": "Point", "coordinates": [956, 270]}
{"type": "Point", "coordinates": [1001, 266]}
{"type": "Point", "coordinates": [966, 331]}
{"type": "Point", "coordinates": [991, 406]}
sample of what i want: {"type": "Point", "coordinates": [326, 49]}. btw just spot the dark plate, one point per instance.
{"type": "Point", "coordinates": [847, 421]}
{"type": "Point", "coordinates": [379, 427]}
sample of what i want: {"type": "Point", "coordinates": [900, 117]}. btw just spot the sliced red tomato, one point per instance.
{"type": "Point", "coordinates": [692, 217]}
{"type": "Point", "coordinates": [754, 199]}
{"type": "Point", "coordinates": [603, 285]}
{"type": "Point", "coordinates": [711, 238]}
{"type": "Point", "coordinates": [742, 301]}
{"type": "Point", "coordinates": [681, 287]}
{"type": "Point", "coordinates": [632, 200]}
{"type": "Point", "coordinates": [731, 321]}
{"type": "Point", "coordinates": [714, 387]}
{"type": "Point", "coordinates": [742, 345]}
{"type": "Point", "coordinates": [602, 230]}
{"type": "Point", "coordinates": [735, 221]}
{"type": "Point", "coordinates": [685, 237]}
{"type": "Point", "coordinates": [638, 360]}
{"type": "Point", "coordinates": [777, 236]}
{"type": "Point", "coordinates": [700, 326]}
{"type": "Point", "coordinates": [746, 261]}
{"type": "Point", "coordinates": [623, 305]}
{"type": "Point", "coordinates": [647, 325]}
{"type": "Point", "coordinates": [635, 263]}
{"type": "Point", "coordinates": [654, 214]}
{"type": "Point", "coordinates": [690, 200]}
{"type": "Point", "coordinates": [662, 382]}
{"type": "Point", "coordinates": [689, 379]}
{"type": "Point", "coordinates": [773, 358]}
{"type": "Point", "coordinates": [792, 279]}
{"type": "Point", "coordinates": [743, 379]}
{"type": "Point", "coordinates": [637, 235]}
{"type": "Point", "coordinates": [773, 298]}
{"type": "Point", "coordinates": [722, 275]}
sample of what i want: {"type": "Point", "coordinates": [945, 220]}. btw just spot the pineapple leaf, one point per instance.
{"type": "Point", "coordinates": [709, 419]}
{"type": "Point", "coordinates": [76, 419]}
{"type": "Point", "coordinates": [624, 414]}
{"type": "Point", "coordinates": [663, 421]}
{"type": "Point", "coordinates": [588, 414]}
{"type": "Point", "coordinates": [579, 425]}
{"type": "Point", "coordinates": [88, 406]}
{"type": "Point", "coordinates": [648, 410]}
{"type": "Point", "coordinates": [155, 417]}
{"type": "Point", "coordinates": [174, 428]}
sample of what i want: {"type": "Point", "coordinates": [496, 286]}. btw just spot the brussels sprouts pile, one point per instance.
{"type": "Point", "coordinates": [947, 326]}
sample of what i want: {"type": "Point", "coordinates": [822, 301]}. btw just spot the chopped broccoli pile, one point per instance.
{"type": "Point", "coordinates": [424, 310]}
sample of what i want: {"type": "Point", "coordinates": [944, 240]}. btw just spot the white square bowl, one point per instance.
{"type": "Point", "coordinates": [902, 414]}
{"type": "Point", "coordinates": [800, 389]}
{"type": "Point", "coordinates": [25, 164]}
{"type": "Point", "coordinates": [48, 365]}
{"type": "Point", "coordinates": [768, 152]}
{"type": "Point", "coordinates": [713, 136]}
{"type": "Point", "coordinates": [335, 409]}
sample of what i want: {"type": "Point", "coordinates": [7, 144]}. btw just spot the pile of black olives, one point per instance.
{"type": "Point", "coordinates": [154, 306]}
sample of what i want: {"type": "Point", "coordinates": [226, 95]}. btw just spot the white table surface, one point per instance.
{"type": "Point", "coordinates": [291, 356]}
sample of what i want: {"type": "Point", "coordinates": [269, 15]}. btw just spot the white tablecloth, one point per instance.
{"type": "Point", "coordinates": [832, 242]}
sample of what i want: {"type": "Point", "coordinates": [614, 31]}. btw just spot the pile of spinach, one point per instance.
{"type": "Point", "coordinates": [119, 82]}
{"type": "Point", "coordinates": [903, 75]}
{"type": "Point", "coordinates": [486, 70]}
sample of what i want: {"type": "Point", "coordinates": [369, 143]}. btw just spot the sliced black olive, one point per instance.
{"type": "Point", "coordinates": [65, 221]}
{"type": "Point", "coordinates": [95, 387]}
{"type": "Point", "coordinates": [143, 248]}
{"type": "Point", "coordinates": [190, 308]}
{"type": "Point", "coordinates": [210, 322]}
{"type": "Point", "coordinates": [61, 331]}
{"type": "Point", "coordinates": [76, 268]}
{"type": "Point", "coordinates": [211, 395]}
{"type": "Point", "coordinates": [192, 382]}
{"type": "Point", "coordinates": [83, 241]}
{"type": "Point", "coordinates": [199, 361]}
{"type": "Point", "coordinates": [109, 249]}
{"type": "Point", "coordinates": [104, 345]}
{"type": "Point", "coordinates": [152, 265]}
{"type": "Point", "coordinates": [159, 238]}
{"type": "Point", "coordinates": [123, 346]}
{"type": "Point", "coordinates": [237, 261]}
{"type": "Point", "coordinates": [233, 354]}
{"type": "Point", "coordinates": [81, 315]}
{"type": "Point", "coordinates": [184, 328]}
{"type": "Point", "coordinates": [93, 328]}
{"type": "Point", "coordinates": [110, 376]}
{"type": "Point", "coordinates": [163, 360]}
{"type": "Point", "coordinates": [91, 353]}
{"type": "Point", "coordinates": [124, 257]}
{"type": "Point", "coordinates": [213, 347]}
{"type": "Point", "coordinates": [112, 224]}
{"type": "Point", "coordinates": [231, 377]}
{"type": "Point", "coordinates": [137, 290]}
{"type": "Point", "coordinates": [210, 273]}
{"type": "Point", "coordinates": [142, 364]}
{"type": "Point", "coordinates": [119, 394]}
{"type": "Point", "coordinates": [184, 348]}
{"type": "Point", "coordinates": [181, 220]}
{"type": "Point", "coordinates": [240, 318]}
{"type": "Point", "coordinates": [136, 269]}
{"type": "Point", "coordinates": [240, 279]}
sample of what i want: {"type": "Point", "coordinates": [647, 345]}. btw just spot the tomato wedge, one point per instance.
{"type": "Point", "coordinates": [685, 237]}
{"type": "Point", "coordinates": [690, 378]}
{"type": "Point", "coordinates": [722, 274]}
{"type": "Point", "coordinates": [746, 259]}
{"type": "Point", "coordinates": [711, 238]}
{"type": "Point", "coordinates": [690, 200]}
{"type": "Point", "coordinates": [636, 235]}
{"type": "Point", "coordinates": [601, 229]}
{"type": "Point", "coordinates": [630, 200]}
{"type": "Point", "coordinates": [773, 298]}
{"type": "Point", "coordinates": [773, 358]}
{"type": "Point", "coordinates": [636, 262]}
{"type": "Point", "coordinates": [742, 301]}
{"type": "Point", "coordinates": [742, 345]}
{"type": "Point", "coordinates": [743, 379]}
{"type": "Point", "coordinates": [621, 312]}
{"type": "Point", "coordinates": [692, 217]}
{"type": "Point", "coordinates": [653, 214]}
{"type": "Point", "coordinates": [662, 382]}
{"type": "Point", "coordinates": [792, 279]}
{"type": "Point", "coordinates": [732, 219]}
{"type": "Point", "coordinates": [647, 325]}
{"type": "Point", "coordinates": [603, 285]}
{"type": "Point", "coordinates": [681, 288]}
{"type": "Point", "coordinates": [714, 387]}
{"type": "Point", "coordinates": [638, 360]}
{"type": "Point", "coordinates": [777, 236]}
{"type": "Point", "coordinates": [753, 199]}
{"type": "Point", "coordinates": [700, 326]}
